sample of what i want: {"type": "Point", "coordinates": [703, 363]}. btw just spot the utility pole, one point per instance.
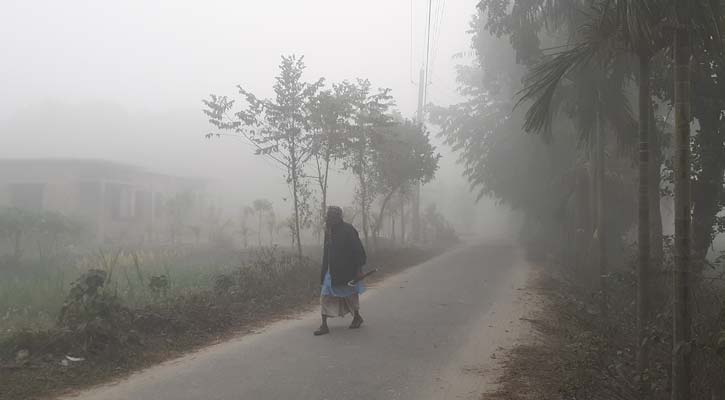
{"type": "Point", "coordinates": [415, 234]}
{"type": "Point", "coordinates": [422, 94]}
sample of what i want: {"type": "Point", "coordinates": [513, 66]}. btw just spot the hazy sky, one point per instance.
{"type": "Point", "coordinates": [161, 54]}
{"type": "Point", "coordinates": [123, 80]}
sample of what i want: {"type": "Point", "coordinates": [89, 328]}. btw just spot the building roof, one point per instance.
{"type": "Point", "coordinates": [89, 168]}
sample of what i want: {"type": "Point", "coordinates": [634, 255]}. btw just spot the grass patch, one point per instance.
{"type": "Point", "coordinates": [120, 326]}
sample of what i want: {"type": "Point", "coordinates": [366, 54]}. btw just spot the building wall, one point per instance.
{"type": "Point", "coordinates": [119, 203]}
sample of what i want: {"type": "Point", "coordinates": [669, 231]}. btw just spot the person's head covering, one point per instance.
{"type": "Point", "coordinates": [334, 211]}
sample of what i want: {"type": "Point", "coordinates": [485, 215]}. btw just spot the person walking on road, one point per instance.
{"type": "Point", "coordinates": [342, 261]}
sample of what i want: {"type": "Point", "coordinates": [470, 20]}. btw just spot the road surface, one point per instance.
{"type": "Point", "coordinates": [431, 332]}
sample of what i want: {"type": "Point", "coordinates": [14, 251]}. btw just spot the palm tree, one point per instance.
{"type": "Point", "coordinates": [593, 75]}
{"type": "Point", "coordinates": [681, 358]}
{"type": "Point", "coordinates": [642, 26]}
{"type": "Point", "coordinates": [701, 17]}
{"type": "Point", "coordinates": [637, 25]}
{"type": "Point", "coordinates": [600, 39]}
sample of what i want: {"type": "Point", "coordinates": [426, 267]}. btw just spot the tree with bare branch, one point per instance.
{"type": "Point", "coordinates": [278, 128]}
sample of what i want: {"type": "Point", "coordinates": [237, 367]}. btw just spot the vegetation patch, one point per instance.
{"type": "Point", "coordinates": [97, 336]}
{"type": "Point", "coordinates": [579, 353]}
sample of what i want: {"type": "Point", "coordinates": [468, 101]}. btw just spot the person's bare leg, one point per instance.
{"type": "Point", "coordinates": [323, 330]}
{"type": "Point", "coordinates": [357, 320]}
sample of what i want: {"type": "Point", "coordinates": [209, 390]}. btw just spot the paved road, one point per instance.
{"type": "Point", "coordinates": [430, 333]}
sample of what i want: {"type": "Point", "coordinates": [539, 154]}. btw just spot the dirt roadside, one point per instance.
{"type": "Point", "coordinates": [479, 368]}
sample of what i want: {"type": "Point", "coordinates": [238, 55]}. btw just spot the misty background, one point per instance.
{"type": "Point", "coordinates": [123, 81]}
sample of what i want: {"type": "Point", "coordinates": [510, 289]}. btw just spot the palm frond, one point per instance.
{"type": "Point", "coordinates": [596, 46]}
{"type": "Point", "coordinates": [542, 83]}
{"type": "Point", "coordinates": [707, 20]}
{"type": "Point", "coordinates": [618, 112]}
{"type": "Point", "coordinates": [640, 21]}
{"type": "Point", "coordinates": [600, 95]}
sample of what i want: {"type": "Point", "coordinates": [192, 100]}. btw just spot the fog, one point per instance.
{"type": "Point", "coordinates": [123, 81]}
{"type": "Point", "coordinates": [532, 190]}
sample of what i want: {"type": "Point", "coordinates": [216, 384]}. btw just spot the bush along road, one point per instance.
{"type": "Point", "coordinates": [97, 337]}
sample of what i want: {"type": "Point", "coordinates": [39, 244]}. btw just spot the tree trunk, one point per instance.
{"type": "Point", "coordinates": [380, 218]}
{"type": "Point", "coordinates": [363, 201]}
{"type": "Point", "coordinates": [601, 217]}
{"type": "Point", "coordinates": [402, 219]}
{"type": "Point", "coordinates": [643, 237]}
{"type": "Point", "coordinates": [707, 189]}
{"type": "Point", "coordinates": [392, 229]}
{"type": "Point", "coordinates": [655, 211]}
{"type": "Point", "coordinates": [681, 352]}
{"type": "Point", "coordinates": [295, 196]}
{"type": "Point", "coordinates": [416, 228]}
{"type": "Point", "coordinates": [322, 179]}
{"type": "Point", "coordinates": [593, 210]}
{"type": "Point", "coordinates": [583, 232]}
{"type": "Point", "coordinates": [259, 229]}
{"type": "Point", "coordinates": [324, 187]}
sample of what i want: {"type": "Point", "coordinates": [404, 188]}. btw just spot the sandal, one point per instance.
{"type": "Point", "coordinates": [356, 322]}
{"type": "Point", "coordinates": [324, 330]}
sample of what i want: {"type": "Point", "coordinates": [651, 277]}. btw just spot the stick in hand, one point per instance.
{"type": "Point", "coordinates": [365, 275]}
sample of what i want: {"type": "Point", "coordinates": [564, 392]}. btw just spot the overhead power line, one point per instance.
{"type": "Point", "coordinates": [411, 42]}
{"type": "Point", "coordinates": [438, 24]}
{"type": "Point", "coordinates": [427, 52]}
